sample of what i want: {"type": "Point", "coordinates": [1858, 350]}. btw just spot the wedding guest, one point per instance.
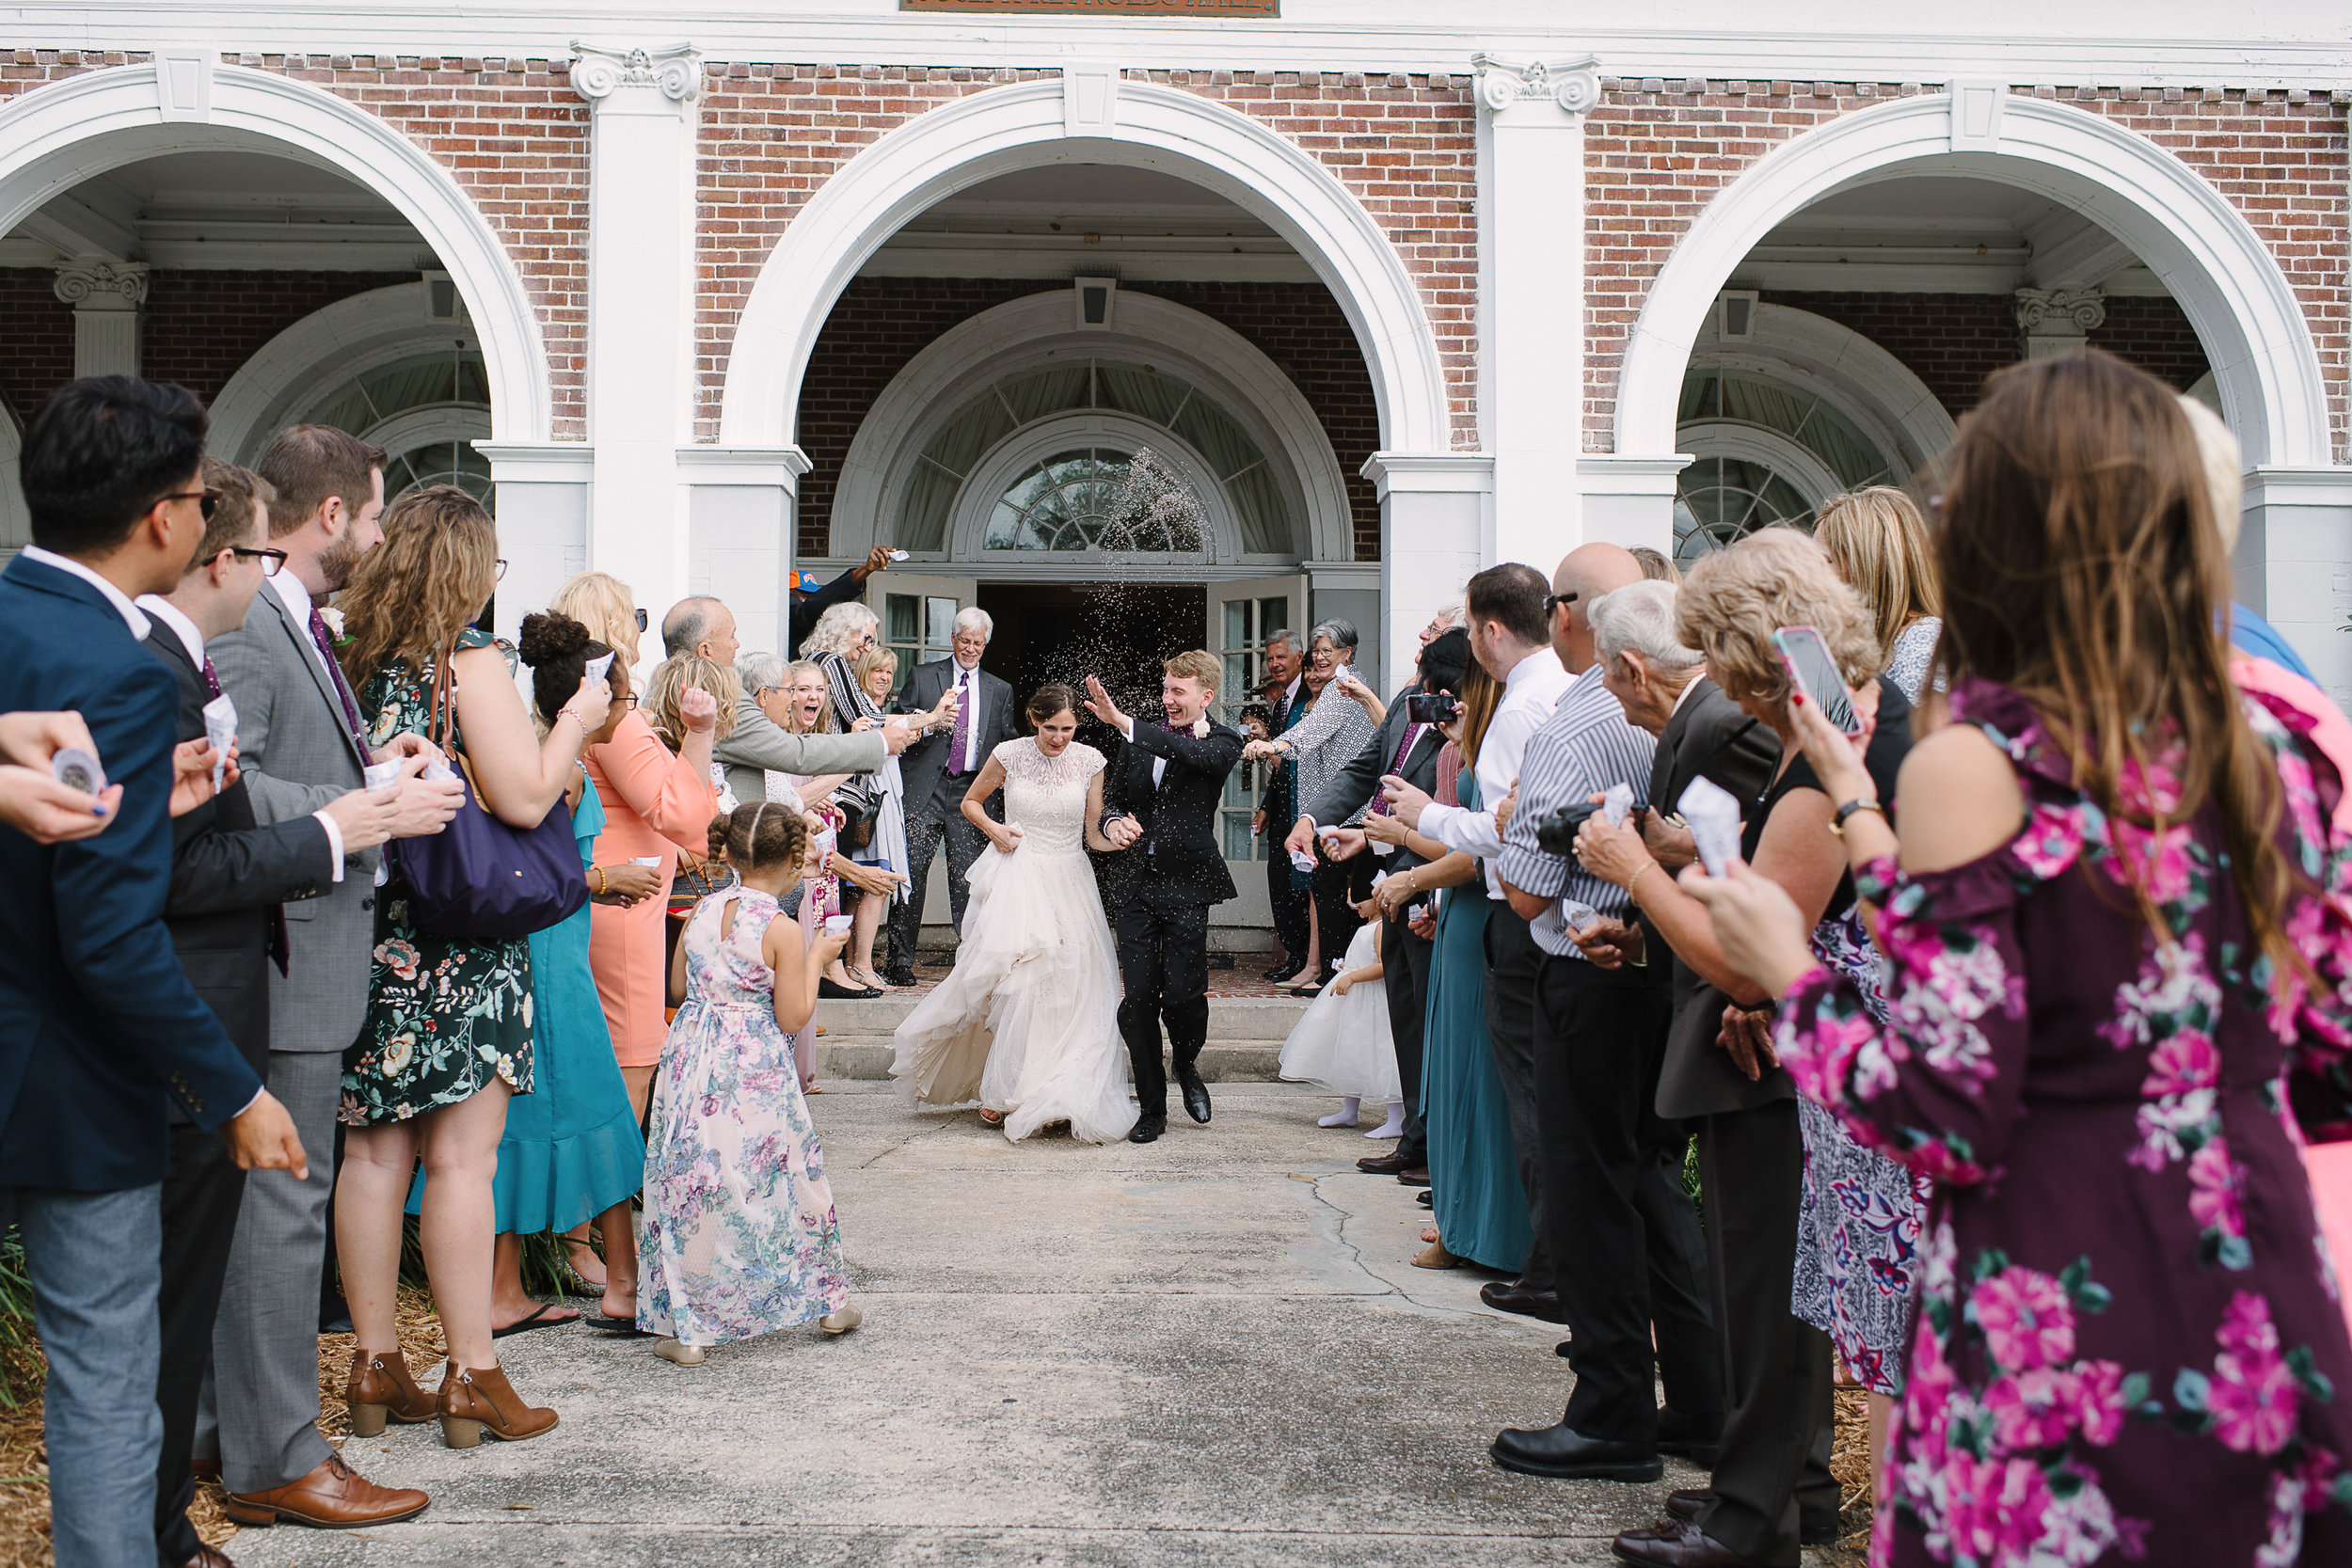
{"type": "Point", "coordinates": [843, 885]}
{"type": "Point", "coordinates": [839, 636]}
{"type": "Point", "coordinates": [2225, 476]}
{"type": "Point", "coordinates": [1286, 658]}
{"type": "Point", "coordinates": [1879, 543]}
{"type": "Point", "coordinates": [875, 672]}
{"type": "Point", "coordinates": [843, 635]}
{"type": "Point", "coordinates": [703, 627]}
{"type": "Point", "coordinates": [1342, 1041]}
{"type": "Point", "coordinates": [302, 746]}
{"type": "Point", "coordinates": [762, 743]}
{"type": "Point", "coordinates": [448, 1033]}
{"type": "Point", "coordinates": [1656, 565]}
{"type": "Point", "coordinates": [810, 600]}
{"type": "Point", "coordinates": [1342, 715]}
{"type": "Point", "coordinates": [941, 769]}
{"type": "Point", "coordinates": [740, 1234]}
{"type": "Point", "coordinates": [2109, 955]}
{"type": "Point", "coordinates": [103, 1028]}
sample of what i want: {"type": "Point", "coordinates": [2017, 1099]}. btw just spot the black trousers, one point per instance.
{"type": "Point", "coordinates": [1614, 1206]}
{"type": "Point", "coordinates": [1512, 960]}
{"type": "Point", "coordinates": [1338, 886]}
{"type": "Point", "coordinates": [1779, 1409]}
{"type": "Point", "coordinates": [1164, 965]}
{"type": "Point", "coordinates": [925, 833]}
{"type": "Point", "coordinates": [1290, 903]}
{"type": "Point", "coordinates": [201, 1194]}
{"type": "Point", "coordinates": [1405, 960]}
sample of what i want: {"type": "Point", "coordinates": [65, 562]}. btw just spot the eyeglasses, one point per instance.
{"type": "Point", "coordinates": [641, 620]}
{"type": "Point", "coordinates": [1553, 601]}
{"type": "Point", "coordinates": [206, 499]}
{"type": "Point", "coordinates": [499, 572]}
{"type": "Point", "coordinates": [270, 559]}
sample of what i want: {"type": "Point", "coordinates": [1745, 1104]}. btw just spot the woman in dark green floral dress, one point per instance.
{"type": "Point", "coordinates": [447, 1037]}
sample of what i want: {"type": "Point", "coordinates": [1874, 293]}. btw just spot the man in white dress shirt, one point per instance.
{"type": "Point", "coordinates": [938, 771]}
{"type": "Point", "coordinates": [1509, 612]}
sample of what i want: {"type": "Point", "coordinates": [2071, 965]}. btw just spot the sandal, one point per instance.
{"type": "Point", "coordinates": [995, 1119]}
{"type": "Point", "coordinates": [537, 1320]}
{"type": "Point", "coordinates": [1435, 1256]}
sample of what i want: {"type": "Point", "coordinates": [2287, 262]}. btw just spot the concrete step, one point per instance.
{"type": "Point", "coordinates": [1236, 1020]}
{"type": "Point", "coordinates": [855, 1057]}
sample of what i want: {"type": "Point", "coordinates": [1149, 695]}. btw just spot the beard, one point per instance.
{"type": "Point", "coordinates": [338, 561]}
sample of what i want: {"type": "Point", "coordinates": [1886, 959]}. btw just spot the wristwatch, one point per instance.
{"type": "Point", "coordinates": [1837, 823]}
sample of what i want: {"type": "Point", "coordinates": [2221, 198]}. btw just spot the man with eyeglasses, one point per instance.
{"type": "Point", "coordinates": [302, 748]}
{"type": "Point", "coordinates": [230, 879]}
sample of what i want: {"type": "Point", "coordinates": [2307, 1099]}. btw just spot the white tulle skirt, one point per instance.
{"type": "Point", "coordinates": [1343, 1042]}
{"type": "Point", "coordinates": [1028, 1023]}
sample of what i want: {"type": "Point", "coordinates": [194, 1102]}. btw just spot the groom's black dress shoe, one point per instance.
{"type": "Point", "coordinates": [1567, 1454]}
{"type": "Point", "coordinates": [1148, 1129]}
{"type": "Point", "coordinates": [1196, 1093]}
{"type": "Point", "coordinates": [902, 975]}
{"type": "Point", "coordinates": [1383, 1165]}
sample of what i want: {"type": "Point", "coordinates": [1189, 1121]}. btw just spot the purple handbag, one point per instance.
{"type": "Point", "coordinates": [477, 878]}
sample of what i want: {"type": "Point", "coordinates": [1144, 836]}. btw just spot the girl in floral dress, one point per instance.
{"type": "Point", "coordinates": [740, 1236]}
{"type": "Point", "coordinates": [2120, 932]}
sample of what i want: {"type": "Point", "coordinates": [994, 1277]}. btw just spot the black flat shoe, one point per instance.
{"type": "Point", "coordinates": [1426, 1199]}
{"type": "Point", "coordinates": [828, 991]}
{"type": "Point", "coordinates": [1196, 1093]}
{"type": "Point", "coordinates": [1280, 972]}
{"type": "Point", "coordinates": [1563, 1453]}
{"type": "Point", "coordinates": [901, 977]}
{"type": "Point", "coordinates": [1148, 1129]}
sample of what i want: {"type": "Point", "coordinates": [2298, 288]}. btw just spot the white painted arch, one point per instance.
{"type": "Point", "coordinates": [2202, 249]}
{"type": "Point", "coordinates": [55, 136]}
{"type": "Point", "coordinates": [288, 374]}
{"type": "Point", "coordinates": [1011, 337]}
{"type": "Point", "coordinates": [1085, 116]}
{"type": "Point", "coordinates": [1854, 375]}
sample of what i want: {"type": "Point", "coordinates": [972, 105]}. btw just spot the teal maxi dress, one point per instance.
{"type": "Point", "coordinates": [1474, 1171]}
{"type": "Point", "coordinates": [572, 1149]}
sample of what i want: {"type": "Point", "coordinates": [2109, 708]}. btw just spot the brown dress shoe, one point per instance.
{"type": "Point", "coordinates": [1676, 1544]}
{"type": "Point", "coordinates": [474, 1400]}
{"type": "Point", "coordinates": [380, 1389]}
{"type": "Point", "coordinates": [208, 1557]}
{"type": "Point", "coordinates": [332, 1497]}
{"type": "Point", "coordinates": [1383, 1164]}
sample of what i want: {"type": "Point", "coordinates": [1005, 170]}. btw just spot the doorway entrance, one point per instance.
{"type": "Point", "coordinates": [1056, 631]}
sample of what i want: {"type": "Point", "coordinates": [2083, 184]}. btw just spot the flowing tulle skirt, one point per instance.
{"type": "Point", "coordinates": [1028, 1023]}
{"type": "Point", "coordinates": [1343, 1042]}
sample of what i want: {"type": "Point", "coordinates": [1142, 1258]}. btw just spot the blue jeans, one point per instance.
{"type": "Point", "coordinates": [95, 1259]}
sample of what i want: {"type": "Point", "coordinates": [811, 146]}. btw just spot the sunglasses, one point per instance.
{"type": "Point", "coordinates": [207, 499]}
{"type": "Point", "coordinates": [641, 620]}
{"type": "Point", "coordinates": [1553, 601]}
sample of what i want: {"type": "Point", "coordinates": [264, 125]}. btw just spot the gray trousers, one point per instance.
{"type": "Point", "coordinates": [965, 844]}
{"type": "Point", "coordinates": [265, 1342]}
{"type": "Point", "coordinates": [1512, 961]}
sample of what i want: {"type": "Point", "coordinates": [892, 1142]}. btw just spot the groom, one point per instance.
{"type": "Point", "coordinates": [1164, 793]}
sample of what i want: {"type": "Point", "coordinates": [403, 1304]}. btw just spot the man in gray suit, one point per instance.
{"type": "Point", "coordinates": [939, 771]}
{"type": "Point", "coordinates": [301, 748]}
{"type": "Point", "coordinates": [757, 743]}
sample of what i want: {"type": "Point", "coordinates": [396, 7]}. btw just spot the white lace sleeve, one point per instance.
{"type": "Point", "coordinates": [1019, 758]}
{"type": "Point", "coordinates": [1090, 761]}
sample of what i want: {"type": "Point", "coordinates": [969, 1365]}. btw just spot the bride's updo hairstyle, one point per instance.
{"type": "Point", "coordinates": [1048, 700]}
{"type": "Point", "coordinates": [761, 833]}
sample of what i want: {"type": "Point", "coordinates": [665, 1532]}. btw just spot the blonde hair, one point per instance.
{"type": "Point", "coordinates": [2225, 469]}
{"type": "Point", "coordinates": [411, 595]}
{"type": "Point", "coordinates": [603, 603]}
{"type": "Point", "coordinates": [879, 656]}
{"type": "Point", "coordinates": [669, 683]}
{"type": "Point", "coordinates": [792, 673]}
{"type": "Point", "coordinates": [1733, 600]}
{"type": "Point", "coordinates": [837, 628]}
{"type": "Point", "coordinates": [1196, 664]}
{"type": "Point", "coordinates": [1879, 543]}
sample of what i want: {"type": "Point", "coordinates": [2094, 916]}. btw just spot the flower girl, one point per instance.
{"type": "Point", "coordinates": [740, 1234]}
{"type": "Point", "coordinates": [1344, 1043]}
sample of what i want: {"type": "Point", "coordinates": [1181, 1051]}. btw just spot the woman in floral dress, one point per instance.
{"type": "Point", "coordinates": [739, 1237]}
{"type": "Point", "coordinates": [2121, 949]}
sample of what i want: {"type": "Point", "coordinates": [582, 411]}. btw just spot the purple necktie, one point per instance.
{"type": "Point", "coordinates": [1396, 765]}
{"type": "Point", "coordinates": [211, 680]}
{"type": "Point", "coordinates": [335, 674]}
{"type": "Point", "coordinates": [960, 737]}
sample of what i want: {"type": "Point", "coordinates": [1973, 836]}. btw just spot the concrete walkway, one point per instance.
{"type": "Point", "coordinates": [1211, 1349]}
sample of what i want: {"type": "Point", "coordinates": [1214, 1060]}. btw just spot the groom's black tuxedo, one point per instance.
{"type": "Point", "coordinates": [1164, 916]}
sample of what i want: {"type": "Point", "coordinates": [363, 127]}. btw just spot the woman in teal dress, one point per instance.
{"type": "Point", "coordinates": [572, 1151]}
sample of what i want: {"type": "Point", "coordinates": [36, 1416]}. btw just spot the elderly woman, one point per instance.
{"type": "Point", "coordinates": [875, 673]}
{"type": "Point", "coordinates": [840, 884]}
{"type": "Point", "coordinates": [1879, 543]}
{"type": "Point", "coordinates": [1342, 715]}
{"type": "Point", "coordinates": [840, 635]}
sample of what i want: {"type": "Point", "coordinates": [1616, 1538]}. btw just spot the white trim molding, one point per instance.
{"type": "Point", "coordinates": [1026, 124]}
{"type": "Point", "coordinates": [1572, 85]}
{"type": "Point", "coordinates": [2201, 247]}
{"type": "Point", "coordinates": [55, 136]}
{"type": "Point", "coordinates": [326, 349]}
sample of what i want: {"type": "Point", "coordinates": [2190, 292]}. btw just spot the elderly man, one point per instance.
{"type": "Point", "coordinates": [701, 625]}
{"type": "Point", "coordinates": [939, 770]}
{"type": "Point", "coordinates": [1285, 660]}
{"type": "Point", "coordinates": [1617, 1217]}
{"type": "Point", "coordinates": [759, 744]}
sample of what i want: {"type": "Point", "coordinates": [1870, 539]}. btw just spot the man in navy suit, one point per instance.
{"type": "Point", "coordinates": [100, 1029]}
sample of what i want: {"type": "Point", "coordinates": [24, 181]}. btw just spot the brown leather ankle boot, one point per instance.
{"type": "Point", "coordinates": [380, 1389]}
{"type": "Point", "coordinates": [474, 1400]}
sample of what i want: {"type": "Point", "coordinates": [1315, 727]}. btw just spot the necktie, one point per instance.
{"type": "Point", "coordinates": [959, 737]}
{"type": "Point", "coordinates": [1396, 765]}
{"type": "Point", "coordinates": [335, 674]}
{"type": "Point", "coordinates": [211, 680]}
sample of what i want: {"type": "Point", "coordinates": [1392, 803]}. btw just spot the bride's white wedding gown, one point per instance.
{"type": "Point", "coordinates": [1027, 1022]}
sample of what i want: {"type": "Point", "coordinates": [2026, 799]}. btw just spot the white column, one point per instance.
{"type": "Point", "coordinates": [542, 494]}
{"type": "Point", "coordinates": [2294, 564]}
{"type": "Point", "coordinates": [1629, 501]}
{"type": "Point", "coordinates": [2055, 324]}
{"type": "Point", "coordinates": [641, 297]}
{"type": "Point", "coordinates": [1434, 523]}
{"type": "Point", "coordinates": [743, 509]}
{"type": "Point", "coordinates": [1531, 298]}
{"type": "Point", "coordinates": [109, 300]}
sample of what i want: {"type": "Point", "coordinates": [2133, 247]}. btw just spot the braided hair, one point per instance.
{"type": "Point", "coordinates": [761, 834]}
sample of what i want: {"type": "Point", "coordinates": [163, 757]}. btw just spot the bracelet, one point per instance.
{"type": "Point", "coordinates": [1837, 823]}
{"type": "Point", "coordinates": [1645, 866]}
{"type": "Point", "coordinates": [599, 871]}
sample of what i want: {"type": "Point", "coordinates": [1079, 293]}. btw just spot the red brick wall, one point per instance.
{"type": "Point", "coordinates": [513, 133]}
{"type": "Point", "coordinates": [881, 323]}
{"type": "Point", "coordinates": [1401, 144]}
{"type": "Point", "coordinates": [1953, 341]}
{"type": "Point", "coordinates": [37, 348]}
{"type": "Point", "coordinates": [1657, 151]}
{"type": "Point", "coordinates": [202, 326]}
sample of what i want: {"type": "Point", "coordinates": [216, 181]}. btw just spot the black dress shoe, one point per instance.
{"type": "Point", "coordinates": [1383, 1164]}
{"type": "Point", "coordinates": [1196, 1093]}
{"type": "Point", "coordinates": [1692, 1437]}
{"type": "Point", "coordinates": [1426, 1199]}
{"type": "Point", "coordinates": [1282, 972]}
{"type": "Point", "coordinates": [1565, 1453]}
{"type": "Point", "coordinates": [828, 991]}
{"type": "Point", "coordinates": [901, 977]}
{"type": "Point", "coordinates": [1676, 1544]}
{"type": "Point", "coordinates": [1148, 1129]}
{"type": "Point", "coordinates": [1815, 1527]}
{"type": "Point", "coordinates": [1517, 1297]}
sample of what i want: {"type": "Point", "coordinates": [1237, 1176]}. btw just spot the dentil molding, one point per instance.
{"type": "Point", "coordinates": [677, 71]}
{"type": "Point", "coordinates": [1574, 85]}
{"type": "Point", "coordinates": [118, 285]}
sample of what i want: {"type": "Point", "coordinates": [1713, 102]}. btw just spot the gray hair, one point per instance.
{"type": "Point", "coordinates": [972, 615]}
{"type": "Point", "coordinates": [1286, 637]}
{"type": "Point", "coordinates": [838, 628]}
{"type": "Point", "coordinates": [687, 620]}
{"type": "Point", "coordinates": [760, 672]}
{"type": "Point", "coordinates": [1450, 614]}
{"type": "Point", "coordinates": [1639, 618]}
{"type": "Point", "coordinates": [1341, 633]}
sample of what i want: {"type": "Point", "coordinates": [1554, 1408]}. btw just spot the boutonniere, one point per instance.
{"type": "Point", "coordinates": [1200, 729]}
{"type": "Point", "coordinates": [334, 619]}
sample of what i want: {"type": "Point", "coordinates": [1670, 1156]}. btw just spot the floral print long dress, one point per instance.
{"type": "Point", "coordinates": [2128, 1345]}
{"type": "Point", "coordinates": [740, 1234]}
{"type": "Point", "coordinates": [446, 1015]}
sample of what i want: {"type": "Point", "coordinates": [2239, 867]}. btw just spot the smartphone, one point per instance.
{"type": "Point", "coordinates": [1431, 707]}
{"type": "Point", "coordinates": [1807, 658]}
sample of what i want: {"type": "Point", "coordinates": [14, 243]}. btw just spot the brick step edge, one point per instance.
{"type": "Point", "coordinates": [1244, 1061]}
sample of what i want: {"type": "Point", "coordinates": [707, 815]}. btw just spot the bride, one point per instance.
{"type": "Point", "coordinates": [1036, 973]}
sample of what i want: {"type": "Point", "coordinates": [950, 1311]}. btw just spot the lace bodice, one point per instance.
{"type": "Point", "coordinates": [1047, 797]}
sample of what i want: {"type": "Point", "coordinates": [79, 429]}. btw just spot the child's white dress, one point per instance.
{"type": "Point", "coordinates": [1343, 1042]}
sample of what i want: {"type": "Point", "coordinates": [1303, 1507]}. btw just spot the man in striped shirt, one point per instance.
{"type": "Point", "coordinates": [1622, 1232]}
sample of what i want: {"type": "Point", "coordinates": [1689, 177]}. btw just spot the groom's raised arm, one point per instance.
{"type": "Point", "coordinates": [1213, 754]}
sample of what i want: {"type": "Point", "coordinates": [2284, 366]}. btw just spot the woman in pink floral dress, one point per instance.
{"type": "Point", "coordinates": [2121, 962]}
